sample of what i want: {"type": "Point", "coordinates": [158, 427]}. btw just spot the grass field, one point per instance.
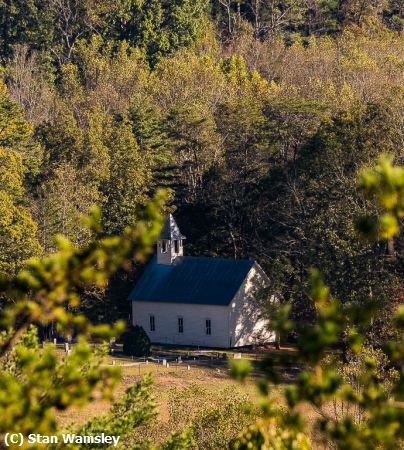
{"type": "Point", "coordinates": [209, 373]}
{"type": "Point", "coordinates": [214, 378]}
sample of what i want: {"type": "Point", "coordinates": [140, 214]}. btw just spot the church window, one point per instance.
{"type": "Point", "coordinates": [152, 323]}
{"type": "Point", "coordinates": [180, 325]}
{"type": "Point", "coordinates": [164, 247]}
{"type": "Point", "coordinates": [208, 324]}
{"type": "Point", "coordinates": [176, 247]}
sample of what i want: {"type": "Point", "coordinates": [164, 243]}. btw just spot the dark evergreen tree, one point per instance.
{"type": "Point", "coordinates": [159, 26]}
{"type": "Point", "coordinates": [136, 342]}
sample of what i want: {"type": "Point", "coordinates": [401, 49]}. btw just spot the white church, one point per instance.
{"type": "Point", "coordinates": [199, 301]}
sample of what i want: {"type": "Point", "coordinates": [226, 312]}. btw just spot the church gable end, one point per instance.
{"type": "Point", "coordinates": [188, 300]}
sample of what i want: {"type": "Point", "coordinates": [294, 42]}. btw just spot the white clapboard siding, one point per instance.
{"type": "Point", "coordinates": [194, 318]}
{"type": "Point", "coordinates": [247, 327]}
{"type": "Point", "coordinates": [235, 325]}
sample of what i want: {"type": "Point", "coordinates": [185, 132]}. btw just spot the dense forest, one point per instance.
{"type": "Point", "coordinates": [273, 130]}
{"type": "Point", "coordinates": [257, 116]}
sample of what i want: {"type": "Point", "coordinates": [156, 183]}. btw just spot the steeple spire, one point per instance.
{"type": "Point", "coordinates": [170, 243]}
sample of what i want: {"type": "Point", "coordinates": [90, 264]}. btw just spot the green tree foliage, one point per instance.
{"type": "Point", "coordinates": [17, 155]}
{"type": "Point", "coordinates": [274, 17]}
{"type": "Point", "coordinates": [287, 17]}
{"type": "Point", "coordinates": [230, 128]}
{"type": "Point", "coordinates": [363, 384]}
{"type": "Point", "coordinates": [130, 416]}
{"type": "Point", "coordinates": [16, 133]}
{"type": "Point", "coordinates": [147, 123]}
{"type": "Point", "coordinates": [216, 420]}
{"type": "Point", "coordinates": [63, 200]}
{"type": "Point", "coordinates": [32, 377]}
{"type": "Point", "coordinates": [129, 179]}
{"type": "Point", "coordinates": [105, 73]}
{"type": "Point", "coordinates": [314, 204]}
{"type": "Point", "coordinates": [136, 342]}
{"type": "Point", "coordinates": [386, 186]}
{"type": "Point", "coordinates": [358, 11]}
{"type": "Point", "coordinates": [56, 26]}
{"type": "Point", "coordinates": [353, 372]}
{"type": "Point", "coordinates": [259, 117]}
{"type": "Point", "coordinates": [160, 27]}
{"type": "Point", "coordinates": [394, 14]}
{"type": "Point", "coordinates": [136, 408]}
{"type": "Point", "coordinates": [37, 382]}
{"type": "Point", "coordinates": [193, 141]}
{"type": "Point", "coordinates": [24, 22]}
{"type": "Point", "coordinates": [17, 228]}
{"type": "Point", "coordinates": [76, 163]}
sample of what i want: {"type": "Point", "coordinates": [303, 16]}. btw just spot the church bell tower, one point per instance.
{"type": "Point", "coordinates": [170, 243]}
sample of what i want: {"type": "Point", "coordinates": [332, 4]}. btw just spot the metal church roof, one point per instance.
{"type": "Point", "coordinates": [170, 230]}
{"type": "Point", "coordinates": [190, 279]}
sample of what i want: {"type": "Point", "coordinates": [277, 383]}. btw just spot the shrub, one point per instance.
{"type": "Point", "coordinates": [215, 416]}
{"type": "Point", "coordinates": [136, 342]}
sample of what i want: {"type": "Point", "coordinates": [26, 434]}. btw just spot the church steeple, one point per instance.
{"type": "Point", "coordinates": [170, 243]}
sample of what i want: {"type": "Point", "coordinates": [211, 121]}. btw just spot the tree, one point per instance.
{"type": "Point", "coordinates": [41, 382]}
{"type": "Point", "coordinates": [353, 372]}
{"type": "Point", "coordinates": [136, 408]}
{"type": "Point", "coordinates": [102, 74]}
{"type": "Point", "coordinates": [30, 85]}
{"type": "Point", "coordinates": [382, 419]}
{"type": "Point", "coordinates": [394, 14]}
{"type": "Point", "coordinates": [62, 140]}
{"type": "Point", "coordinates": [18, 230]}
{"type": "Point", "coordinates": [160, 27]}
{"type": "Point", "coordinates": [17, 134]}
{"type": "Point", "coordinates": [230, 175]}
{"type": "Point", "coordinates": [136, 342]}
{"type": "Point", "coordinates": [358, 11]}
{"type": "Point", "coordinates": [191, 135]}
{"type": "Point", "coordinates": [77, 165]}
{"type": "Point", "coordinates": [76, 19]}
{"type": "Point", "coordinates": [126, 189]}
{"type": "Point", "coordinates": [17, 154]}
{"type": "Point", "coordinates": [63, 200]}
{"type": "Point", "coordinates": [148, 128]}
{"type": "Point", "coordinates": [214, 419]}
{"type": "Point", "coordinates": [273, 17]}
{"type": "Point", "coordinates": [312, 206]}
{"type": "Point", "coordinates": [25, 22]}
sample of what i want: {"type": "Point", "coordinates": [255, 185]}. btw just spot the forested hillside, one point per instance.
{"type": "Point", "coordinates": [256, 115]}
